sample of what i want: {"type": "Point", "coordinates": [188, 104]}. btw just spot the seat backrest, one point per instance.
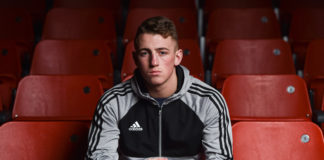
{"type": "Point", "coordinates": [291, 5]}
{"type": "Point", "coordinates": [31, 5]}
{"type": "Point", "coordinates": [191, 59]}
{"type": "Point", "coordinates": [277, 140]}
{"type": "Point", "coordinates": [314, 71]}
{"type": "Point", "coordinates": [56, 98]}
{"type": "Point", "coordinates": [267, 97]}
{"type": "Point", "coordinates": [263, 56]}
{"type": "Point", "coordinates": [37, 8]}
{"type": "Point", "coordinates": [128, 65]}
{"type": "Point", "coordinates": [314, 66]}
{"type": "Point", "coordinates": [1, 103]}
{"type": "Point", "coordinates": [317, 92]}
{"type": "Point", "coordinates": [90, 24]}
{"type": "Point", "coordinates": [162, 4]}
{"type": "Point", "coordinates": [43, 140]}
{"type": "Point", "coordinates": [73, 57]}
{"type": "Point", "coordinates": [10, 59]}
{"type": "Point", "coordinates": [306, 25]}
{"type": "Point", "coordinates": [114, 6]}
{"type": "Point", "coordinates": [6, 95]}
{"type": "Point", "coordinates": [8, 84]}
{"type": "Point", "coordinates": [184, 19]}
{"type": "Point", "coordinates": [238, 23]}
{"type": "Point", "coordinates": [323, 103]}
{"type": "Point", "coordinates": [107, 4]}
{"type": "Point", "coordinates": [16, 24]}
{"type": "Point", "coordinates": [287, 7]}
{"type": "Point", "coordinates": [211, 5]}
{"type": "Point", "coordinates": [322, 125]}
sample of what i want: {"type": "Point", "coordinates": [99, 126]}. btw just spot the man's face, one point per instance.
{"type": "Point", "coordinates": [156, 57]}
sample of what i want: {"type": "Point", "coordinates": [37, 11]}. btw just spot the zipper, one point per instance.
{"type": "Point", "coordinates": [160, 132]}
{"type": "Point", "coordinates": [160, 128]}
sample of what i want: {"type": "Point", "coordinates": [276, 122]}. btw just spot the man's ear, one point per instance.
{"type": "Point", "coordinates": [178, 57]}
{"type": "Point", "coordinates": [134, 57]}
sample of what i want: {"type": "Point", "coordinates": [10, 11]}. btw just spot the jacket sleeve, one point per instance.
{"type": "Point", "coordinates": [217, 134]}
{"type": "Point", "coordinates": [103, 134]}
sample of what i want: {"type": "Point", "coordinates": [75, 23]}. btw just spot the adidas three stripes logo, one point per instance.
{"type": "Point", "coordinates": [135, 127]}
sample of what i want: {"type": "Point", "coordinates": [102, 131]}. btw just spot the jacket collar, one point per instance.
{"type": "Point", "coordinates": [183, 84]}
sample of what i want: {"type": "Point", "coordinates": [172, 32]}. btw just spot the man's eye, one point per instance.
{"type": "Point", "coordinates": [162, 52]}
{"type": "Point", "coordinates": [143, 53]}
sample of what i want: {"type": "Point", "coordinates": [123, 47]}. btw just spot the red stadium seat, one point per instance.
{"type": "Point", "coordinates": [322, 125]}
{"type": "Point", "coordinates": [287, 7]}
{"type": "Point", "coordinates": [36, 8]}
{"type": "Point", "coordinates": [314, 70]}
{"type": "Point", "coordinates": [191, 59]}
{"type": "Point", "coordinates": [10, 72]}
{"type": "Point", "coordinates": [115, 6]}
{"type": "Point", "coordinates": [277, 140]}
{"type": "Point", "coordinates": [128, 65]}
{"type": "Point", "coordinates": [211, 5]}
{"type": "Point", "coordinates": [7, 85]}
{"type": "Point", "coordinates": [190, 4]}
{"type": "Point", "coordinates": [107, 4]}
{"type": "Point", "coordinates": [57, 98]}
{"type": "Point", "coordinates": [16, 26]}
{"type": "Point", "coordinates": [88, 24]}
{"type": "Point", "coordinates": [215, 4]}
{"type": "Point", "coordinates": [43, 140]}
{"type": "Point", "coordinates": [1, 103]}
{"type": "Point", "coordinates": [323, 103]}
{"type": "Point", "coordinates": [74, 57]}
{"type": "Point", "coordinates": [251, 57]}
{"type": "Point", "coordinates": [184, 19]}
{"type": "Point", "coordinates": [10, 59]}
{"type": "Point", "coordinates": [81, 24]}
{"type": "Point", "coordinates": [247, 23]}
{"type": "Point", "coordinates": [267, 97]}
{"type": "Point", "coordinates": [317, 88]}
{"type": "Point", "coordinates": [306, 25]}
{"type": "Point", "coordinates": [314, 66]}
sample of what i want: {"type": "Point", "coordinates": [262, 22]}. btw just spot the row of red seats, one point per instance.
{"type": "Point", "coordinates": [251, 140]}
{"type": "Point", "coordinates": [54, 69]}
{"type": "Point", "coordinates": [38, 7]}
{"type": "Point", "coordinates": [249, 97]}
{"type": "Point", "coordinates": [222, 23]}
{"type": "Point", "coordinates": [262, 106]}
{"type": "Point", "coordinates": [64, 57]}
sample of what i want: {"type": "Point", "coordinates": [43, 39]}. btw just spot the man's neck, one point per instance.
{"type": "Point", "coordinates": [166, 89]}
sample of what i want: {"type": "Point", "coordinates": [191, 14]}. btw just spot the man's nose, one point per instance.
{"type": "Point", "coordinates": [154, 59]}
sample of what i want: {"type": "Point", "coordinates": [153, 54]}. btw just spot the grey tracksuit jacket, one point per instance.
{"type": "Point", "coordinates": [129, 124]}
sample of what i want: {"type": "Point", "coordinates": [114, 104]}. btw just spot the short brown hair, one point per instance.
{"type": "Point", "coordinates": [157, 25]}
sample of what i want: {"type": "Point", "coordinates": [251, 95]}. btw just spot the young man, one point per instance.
{"type": "Point", "coordinates": [162, 111]}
